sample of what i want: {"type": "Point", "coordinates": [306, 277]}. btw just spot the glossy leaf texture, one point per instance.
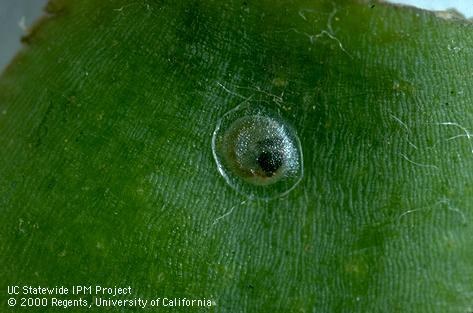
{"type": "Point", "coordinates": [107, 175]}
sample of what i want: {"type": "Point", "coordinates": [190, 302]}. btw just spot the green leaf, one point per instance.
{"type": "Point", "coordinates": [107, 175]}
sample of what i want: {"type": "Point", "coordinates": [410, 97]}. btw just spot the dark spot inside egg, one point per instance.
{"type": "Point", "coordinates": [271, 158]}
{"type": "Point", "coordinates": [270, 162]}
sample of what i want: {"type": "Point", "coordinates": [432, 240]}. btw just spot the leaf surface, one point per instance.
{"type": "Point", "coordinates": [107, 175]}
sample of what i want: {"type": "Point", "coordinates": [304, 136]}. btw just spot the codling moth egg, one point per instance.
{"type": "Point", "coordinates": [257, 152]}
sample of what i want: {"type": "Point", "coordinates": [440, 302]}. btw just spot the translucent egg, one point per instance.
{"type": "Point", "coordinates": [257, 152]}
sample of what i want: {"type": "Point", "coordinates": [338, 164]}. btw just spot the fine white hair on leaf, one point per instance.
{"type": "Point", "coordinates": [313, 38]}
{"type": "Point", "coordinates": [404, 125]}
{"type": "Point", "coordinates": [231, 92]}
{"type": "Point", "coordinates": [418, 164]}
{"type": "Point", "coordinates": [452, 208]}
{"type": "Point", "coordinates": [228, 212]}
{"type": "Point", "coordinates": [331, 36]}
{"type": "Point", "coordinates": [302, 11]}
{"type": "Point", "coordinates": [401, 122]}
{"type": "Point", "coordinates": [120, 9]}
{"type": "Point", "coordinates": [466, 134]}
{"type": "Point", "coordinates": [458, 136]}
{"type": "Point", "coordinates": [330, 18]}
{"type": "Point", "coordinates": [411, 144]}
{"type": "Point", "coordinates": [441, 203]}
{"type": "Point", "coordinates": [277, 99]}
{"type": "Point", "coordinates": [123, 7]}
{"type": "Point", "coordinates": [329, 32]}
